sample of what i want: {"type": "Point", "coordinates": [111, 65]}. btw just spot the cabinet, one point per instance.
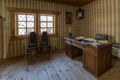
{"type": "Point", "coordinates": [72, 51]}
{"type": "Point", "coordinates": [68, 49]}
{"type": "Point", "coordinates": [97, 59]}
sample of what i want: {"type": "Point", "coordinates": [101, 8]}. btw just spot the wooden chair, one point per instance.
{"type": "Point", "coordinates": [32, 44]}
{"type": "Point", "coordinates": [44, 43]}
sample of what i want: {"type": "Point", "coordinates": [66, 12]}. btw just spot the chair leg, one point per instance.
{"type": "Point", "coordinates": [49, 51]}
{"type": "Point", "coordinates": [27, 56]}
{"type": "Point", "coordinates": [37, 52]}
{"type": "Point", "coordinates": [41, 50]}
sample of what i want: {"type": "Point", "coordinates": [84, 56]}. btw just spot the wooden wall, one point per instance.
{"type": "Point", "coordinates": [1, 33]}
{"type": "Point", "coordinates": [119, 21]}
{"type": "Point", "coordinates": [17, 47]}
{"type": "Point", "coordinates": [1, 38]}
{"type": "Point", "coordinates": [101, 17]}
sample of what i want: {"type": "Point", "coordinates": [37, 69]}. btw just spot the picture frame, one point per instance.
{"type": "Point", "coordinates": [68, 18]}
{"type": "Point", "coordinates": [80, 13]}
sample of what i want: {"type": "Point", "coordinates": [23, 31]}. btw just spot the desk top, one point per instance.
{"type": "Point", "coordinates": [88, 41]}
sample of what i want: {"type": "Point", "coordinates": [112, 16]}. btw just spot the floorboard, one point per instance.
{"type": "Point", "coordinates": [56, 67]}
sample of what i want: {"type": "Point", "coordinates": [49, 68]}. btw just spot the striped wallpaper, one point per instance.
{"type": "Point", "coordinates": [17, 47]}
{"type": "Point", "coordinates": [1, 33]}
{"type": "Point", "coordinates": [118, 22]}
{"type": "Point", "coordinates": [1, 38]}
{"type": "Point", "coordinates": [101, 17]}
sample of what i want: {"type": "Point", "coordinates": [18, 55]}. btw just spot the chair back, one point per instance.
{"type": "Point", "coordinates": [32, 39]}
{"type": "Point", "coordinates": [44, 38]}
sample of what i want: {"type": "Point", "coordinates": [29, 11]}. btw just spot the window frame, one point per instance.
{"type": "Point", "coordinates": [16, 23]}
{"type": "Point", "coordinates": [54, 23]}
{"type": "Point", "coordinates": [34, 11]}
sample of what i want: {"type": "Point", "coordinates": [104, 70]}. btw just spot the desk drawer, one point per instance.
{"type": "Point", "coordinates": [78, 44]}
{"type": "Point", "coordinates": [90, 49]}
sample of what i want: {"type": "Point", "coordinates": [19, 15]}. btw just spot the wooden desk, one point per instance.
{"type": "Point", "coordinates": [96, 59]}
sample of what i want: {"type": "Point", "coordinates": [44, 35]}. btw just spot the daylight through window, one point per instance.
{"type": "Point", "coordinates": [26, 23]}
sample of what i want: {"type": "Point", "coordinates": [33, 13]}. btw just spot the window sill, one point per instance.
{"type": "Point", "coordinates": [25, 37]}
{"type": "Point", "coordinates": [18, 37]}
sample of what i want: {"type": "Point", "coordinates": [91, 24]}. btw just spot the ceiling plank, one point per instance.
{"type": "Point", "coordinates": [77, 3]}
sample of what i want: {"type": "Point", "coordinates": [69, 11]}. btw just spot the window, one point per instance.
{"type": "Point", "coordinates": [47, 23]}
{"type": "Point", "coordinates": [28, 22]}
{"type": "Point", "coordinates": [25, 23]}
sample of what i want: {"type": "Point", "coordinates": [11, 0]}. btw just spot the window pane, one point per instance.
{"type": "Point", "coordinates": [43, 29]}
{"type": "Point", "coordinates": [43, 24]}
{"type": "Point", "coordinates": [21, 24]}
{"type": "Point", "coordinates": [50, 24]}
{"type": "Point", "coordinates": [49, 18]}
{"type": "Point", "coordinates": [30, 30]}
{"type": "Point", "coordinates": [21, 17]}
{"type": "Point", "coordinates": [50, 30]}
{"type": "Point", "coordinates": [30, 17]}
{"type": "Point", "coordinates": [25, 23]}
{"type": "Point", "coordinates": [30, 24]}
{"type": "Point", "coordinates": [21, 32]}
{"type": "Point", "coordinates": [42, 18]}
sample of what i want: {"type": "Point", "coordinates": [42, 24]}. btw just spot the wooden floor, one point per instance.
{"type": "Point", "coordinates": [56, 67]}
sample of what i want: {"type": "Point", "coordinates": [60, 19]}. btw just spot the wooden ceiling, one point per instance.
{"type": "Point", "coordinates": [77, 3]}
